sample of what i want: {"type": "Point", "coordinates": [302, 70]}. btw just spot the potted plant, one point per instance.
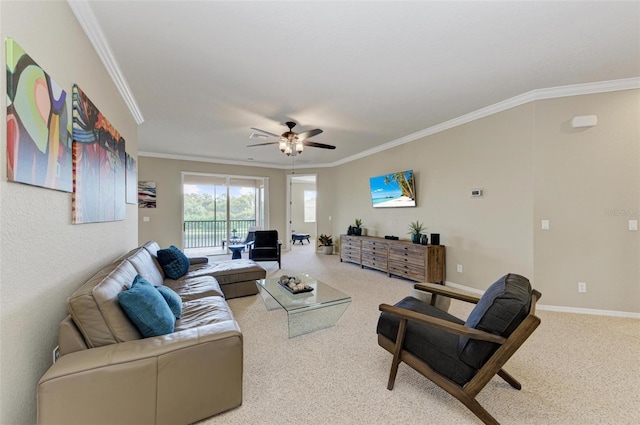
{"type": "Point", "coordinates": [358, 227]}
{"type": "Point", "coordinates": [415, 229]}
{"type": "Point", "coordinates": [326, 242]}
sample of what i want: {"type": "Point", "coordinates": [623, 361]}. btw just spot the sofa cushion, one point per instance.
{"type": "Point", "coordinates": [147, 308]}
{"type": "Point", "coordinates": [172, 299]}
{"type": "Point", "coordinates": [204, 311]}
{"type": "Point", "coordinates": [173, 261]}
{"type": "Point", "coordinates": [190, 288]}
{"type": "Point", "coordinates": [229, 271]}
{"type": "Point", "coordinates": [95, 309]}
{"type": "Point", "coordinates": [147, 266]}
{"type": "Point", "coordinates": [500, 310]}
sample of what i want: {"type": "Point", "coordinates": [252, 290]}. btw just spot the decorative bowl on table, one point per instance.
{"type": "Point", "coordinates": [294, 284]}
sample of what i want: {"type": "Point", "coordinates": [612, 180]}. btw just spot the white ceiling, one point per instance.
{"type": "Point", "coordinates": [367, 73]}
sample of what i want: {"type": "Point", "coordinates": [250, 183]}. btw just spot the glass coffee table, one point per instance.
{"type": "Point", "coordinates": [306, 311]}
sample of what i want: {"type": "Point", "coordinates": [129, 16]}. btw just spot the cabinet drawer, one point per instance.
{"type": "Point", "coordinates": [407, 258]}
{"type": "Point", "coordinates": [380, 259]}
{"type": "Point", "coordinates": [408, 249]}
{"type": "Point", "coordinates": [351, 250]}
{"type": "Point", "coordinates": [375, 263]}
{"type": "Point", "coordinates": [413, 273]}
{"type": "Point", "coordinates": [374, 245]}
{"type": "Point", "coordinates": [352, 258]}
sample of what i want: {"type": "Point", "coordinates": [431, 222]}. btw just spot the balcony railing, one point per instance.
{"type": "Point", "coordinates": [211, 233]}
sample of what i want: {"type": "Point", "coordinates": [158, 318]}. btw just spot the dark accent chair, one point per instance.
{"type": "Point", "coordinates": [266, 246]}
{"type": "Point", "coordinates": [461, 357]}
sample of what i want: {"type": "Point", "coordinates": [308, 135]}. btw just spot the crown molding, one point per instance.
{"type": "Point", "coordinates": [539, 94]}
{"type": "Point", "coordinates": [84, 14]}
{"type": "Point", "coordinates": [229, 161]}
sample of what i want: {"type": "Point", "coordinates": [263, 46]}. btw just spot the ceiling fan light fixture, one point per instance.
{"type": "Point", "coordinates": [299, 146]}
{"type": "Point", "coordinates": [282, 145]}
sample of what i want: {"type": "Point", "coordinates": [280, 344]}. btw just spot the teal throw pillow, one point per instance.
{"type": "Point", "coordinates": [173, 300]}
{"type": "Point", "coordinates": [147, 309]}
{"type": "Point", "coordinates": [173, 262]}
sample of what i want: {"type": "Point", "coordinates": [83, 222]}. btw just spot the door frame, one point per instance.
{"type": "Point", "coordinates": [289, 203]}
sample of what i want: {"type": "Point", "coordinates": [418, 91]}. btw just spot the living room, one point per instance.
{"type": "Point", "coordinates": [531, 163]}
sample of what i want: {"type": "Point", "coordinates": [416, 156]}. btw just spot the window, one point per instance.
{"type": "Point", "coordinates": [309, 206]}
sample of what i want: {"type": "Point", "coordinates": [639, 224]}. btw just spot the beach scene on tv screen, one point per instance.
{"type": "Point", "coordinates": [393, 190]}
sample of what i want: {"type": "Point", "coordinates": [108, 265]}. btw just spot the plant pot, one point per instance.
{"type": "Point", "coordinates": [415, 237]}
{"type": "Point", "coordinates": [357, 231]}
{"type": "Point", "coordinates": [327, 250]}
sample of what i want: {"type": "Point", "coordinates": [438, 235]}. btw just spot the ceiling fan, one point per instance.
{"type": "Point", "coordinates": [292, 143]}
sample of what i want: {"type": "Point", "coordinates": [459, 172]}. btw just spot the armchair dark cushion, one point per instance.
{"type": "Point", "coordinates": [436, 347]}
{"type": "Point", "coordinates": [501, 309]}
{"type": "Point", "coordinates": [265, 247]}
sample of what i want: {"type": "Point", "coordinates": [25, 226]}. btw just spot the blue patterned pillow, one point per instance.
{"type": "Point", "coordinates": [147, 309]}
{"type": "Point", "coordinates": [174, 263]}
{"type": "Point", "coordinates": [173, 300]}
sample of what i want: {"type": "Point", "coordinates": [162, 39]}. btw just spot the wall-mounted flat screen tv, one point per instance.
{"type": "Point", "coordinates": [393, 190]}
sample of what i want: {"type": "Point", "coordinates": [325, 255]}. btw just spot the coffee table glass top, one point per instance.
{"type": "Point", "coordinates": [306, 311]}
{"type": "Point", "coordinates": [322, 293]}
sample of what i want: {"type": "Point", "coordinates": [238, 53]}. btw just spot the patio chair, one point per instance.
{"type": "Point", "coordinates": [461, 357]}
{"type": "Point", "coordinates": [266, 246]}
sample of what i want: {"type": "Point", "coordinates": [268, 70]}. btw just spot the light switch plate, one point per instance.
{"type": "Point", "coordinates": [633, 224]}
{"type": "Point", "coordinates": [145, 219]}
{"type": "Point", "coordinates": [544, 224]}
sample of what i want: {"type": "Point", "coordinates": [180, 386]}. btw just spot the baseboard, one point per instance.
{"type": "Point", "coordinates": [560, 309]}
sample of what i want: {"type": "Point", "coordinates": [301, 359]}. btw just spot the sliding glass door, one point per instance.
{"type": "Point", "coordinates": [219, 210]}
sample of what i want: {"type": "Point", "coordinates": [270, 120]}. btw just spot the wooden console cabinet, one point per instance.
{"type": "Point", "coordinates": [422, 263]}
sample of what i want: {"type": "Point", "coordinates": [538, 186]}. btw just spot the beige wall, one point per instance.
{"type": "Point", "coordinates": [488, 236]}
{"type": "Point", "coordinates": [587, 184]}
{"type": "Point", "coordinates": [165, 221]}
{"type": "Point", "coordinates": [532, 165]}
{"type": "Point", "coordinates": [43, 257]}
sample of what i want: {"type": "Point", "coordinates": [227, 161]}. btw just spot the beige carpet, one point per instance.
{"type": "Point", "coordinates": [575, 369]}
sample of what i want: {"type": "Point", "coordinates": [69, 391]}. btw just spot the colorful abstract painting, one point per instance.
{"type": "Point", "coordinates": [99, 161]}
{"type": "Point", "coordinates": [147, 194]}
{"type": "Point", "coordinates": [38, 130]}
{"type": "Point", "coordinates": [132, 180]}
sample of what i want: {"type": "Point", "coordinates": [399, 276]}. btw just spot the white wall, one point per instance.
{"type": "Point", "coordinates": [43, 257]}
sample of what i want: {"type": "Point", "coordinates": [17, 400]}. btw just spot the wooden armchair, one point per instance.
{"type": "Point", "coordinates": [265, 247]}
{"type": "Point", "coordinates": [461, 357]}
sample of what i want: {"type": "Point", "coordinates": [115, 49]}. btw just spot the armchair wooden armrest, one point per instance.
{"type": "Point", "coordinates": [441, 324]}
{"type": "Point", "coordinates": [447, 291]}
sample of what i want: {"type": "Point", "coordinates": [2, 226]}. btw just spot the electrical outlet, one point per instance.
{"type": "Point", "coordinates": [544, 224]}
{"type": "Point", "coordinates": [459, 268]}
{"type": "Point", "coordinates": [633, 224]}
{"type": "Point", "coordinates": [582, 286]}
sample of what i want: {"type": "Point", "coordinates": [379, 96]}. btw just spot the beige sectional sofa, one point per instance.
{"type": "Point", "coordinates": [108, 373]}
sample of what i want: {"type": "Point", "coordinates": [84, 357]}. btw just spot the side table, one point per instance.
{"type": "Point", "coordinates": [236, 251]}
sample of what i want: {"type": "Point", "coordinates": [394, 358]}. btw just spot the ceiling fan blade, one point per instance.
{"type": "Point", "coordinates": [262, 144]}
{"type": "Point", "coordinates": [310, 133]}
{"type": "Point", "coordinates": [318, 145]}
{"type": "Point", "coordinates": [266, 132]}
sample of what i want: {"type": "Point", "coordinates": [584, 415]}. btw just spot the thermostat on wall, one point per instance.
{"type": "Point", "coordinates": [476, 193]}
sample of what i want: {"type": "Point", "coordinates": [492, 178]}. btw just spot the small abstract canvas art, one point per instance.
{"type": "Point", "coordinates": [132, 180]}
{"type": "Point", "coordinates": [38, 130]}
{"type": "Point", "coordinates": [146, 194]}
{"type": "Point", "coordinates": [99, 159]}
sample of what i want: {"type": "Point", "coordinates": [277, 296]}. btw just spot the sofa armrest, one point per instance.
{"type": "Point", "coordinates": [176, 378]}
